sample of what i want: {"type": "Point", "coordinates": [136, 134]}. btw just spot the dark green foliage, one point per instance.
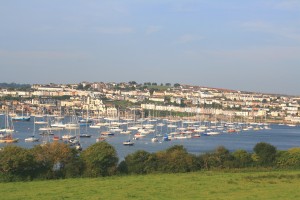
{"type": "Point", "coordinates": [15, 86]}
{"type": "Point", "coordinates": [220, 158]}
{"type": "Point", "coordinates": [17, 163]}
{"type": "Point", "coordinates": [100, 159]}
{"type": "Point", "coordinates": [176, 85]}
{"type": "Point", "coordinates": [176, 159]}
{"type": "Point", "coordinates": [266, 153]}
{"type": "Point", "coordinates": [140, 162]}
{"type": "Point", "coordinates": [79, 87]}
{"type": "Point", "coordinates": [58, 160]}
{"type": "Point", "coordinates": [242, 159]}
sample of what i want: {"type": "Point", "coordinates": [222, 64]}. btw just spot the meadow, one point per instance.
{"type": "Point", "coordinates": [196, 185]}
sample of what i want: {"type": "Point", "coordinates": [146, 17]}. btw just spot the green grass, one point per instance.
{"type": "Point", "coordinates": [200, 185]}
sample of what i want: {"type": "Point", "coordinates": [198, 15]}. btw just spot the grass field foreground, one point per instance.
{"type": "Point", "coordinates": [200, 185]}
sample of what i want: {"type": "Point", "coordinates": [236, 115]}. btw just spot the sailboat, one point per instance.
{"type": "Point", "coordinates": [32, 138]}
{"type": "Point", "coordinates": [8, 125]}
{"type": "Point", "coordinates": [7, 132]}
{"type": "Point", "coordinates": [8, 139]}
{"type": "Point", "coordinates": [21, 118]}
{"type": "Point", "coordinates": [128, 142]}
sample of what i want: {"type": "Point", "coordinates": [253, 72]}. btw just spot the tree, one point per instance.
{"type": "Point", "coordinates": [140, 162]}
{"type": "Point", "coordinates": [289, 158]}
{"type": "Point", "coordinates": [80, 87]}
{"type": "Point", "coordinates": [17, 163]}
{"type": "Point", "coordinates": [176, 85]}
{"type": "Point", "coordinates": [176, 159]}
{"type": "Point", "coordinates": [266, 153]}
{"type": "Point", "coordinates": [100, 159]}
{"type": "Point", "coordinates": [242, 158]}
{"type": "Point", "coordinates": [87, 87]}
{"type": "Point", "coordinates": [168, 84]}
{"type": "Point", "coordinates": [57, 160]}
{"type": "Point", "coordinates": [132, 83]}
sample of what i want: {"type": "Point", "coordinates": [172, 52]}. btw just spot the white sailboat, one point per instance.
{"type": "Point", "coordinates": [128, 142]}
{"type": "Point", "coordinates": [32, 138]}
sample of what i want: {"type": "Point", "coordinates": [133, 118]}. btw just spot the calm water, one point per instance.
{"type": "Point", "coordinates": [283, 137]}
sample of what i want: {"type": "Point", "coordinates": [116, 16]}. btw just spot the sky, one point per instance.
{"type": "Point", "coordinates": [242, 45]}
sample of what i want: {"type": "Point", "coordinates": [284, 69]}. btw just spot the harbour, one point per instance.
{"type": "Point", "coordinates": [149, 134]}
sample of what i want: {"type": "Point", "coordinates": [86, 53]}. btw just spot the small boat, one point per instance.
{"type": "Point", "coordinates": [9, 139]}
{"type": "Point", "coordinates": [100, 139]}
{"type": "Point", "coordinates": [166, 138]}
{"type": "Point", "coordinates": [128, 143]}
{"type": "Point", "coordinates": [68, 137]}
{"type": "Point", "coordinates": [107, 133]}
{"type": "Point", "coordinates": [85, 122]}
{"type": "Point", "coordinates": [154, 139]}
{"type": "Point", "coordinates": [56, 138]}
{"type": "Point", "coordinates": [139, 135]}
{"type": "Point", "coordinates": [125, 132]}
{"type": "Point", "coordinates": [32, 139]}
{"type": "Point", "coordinates": [196, 135]}
{"type": "Point", "coordinates": [85, 135]}
{"type": "Point", "coordinates": [21, 118]}
{"type": "Point", "coordinates": [232, 130]}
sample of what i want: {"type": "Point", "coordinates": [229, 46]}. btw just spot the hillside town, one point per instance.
{"type": "Point", "coordinates": [133, 100]}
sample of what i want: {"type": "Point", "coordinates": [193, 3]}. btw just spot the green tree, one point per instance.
{"type": "Point", "coordinates": [100, 159]}
{"type": "Point", "coordinates": [132, 83]}
{"type": "Point", "coordinates": [176, 85]}
{"type": "Point", "coordinates": [79, 87]}
{"type": "Point", "coordinates": [289, 158]}
{"type": "Point", "coordinates": [176, 159]}
{"type": "Point", "coordinates": [242, 158]}
{"type": "Point", "coordinates": [266, 153]}
{"type": "Point", "coordinates": [140, 162]}
{"type": "Point", "coordinates": [87, 87]}
{"type": "Point", "coordinates": [57, 160]}
{"type": "Point", "coordinates": [17, 163]}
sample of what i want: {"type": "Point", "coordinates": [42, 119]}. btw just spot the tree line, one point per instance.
{"type": "Point", "coordinates": [58, 160]}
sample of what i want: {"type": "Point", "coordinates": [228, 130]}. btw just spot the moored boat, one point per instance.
{"type": "Point", "coordinates": [128, 143]}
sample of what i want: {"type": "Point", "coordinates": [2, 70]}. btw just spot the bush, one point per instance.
{"type": "Point", "coordinates": [266, 154]}
{"type": "Point", "coordinates": [176, 159]}
{"type": "Point", "coordinates": [17, 163]}
{"type": "Point", "coordinates": [57, 160]}
{"type": "Point", "coordinates": [141, 162]}
{"type": "Point", "coordinates": [100, 159]}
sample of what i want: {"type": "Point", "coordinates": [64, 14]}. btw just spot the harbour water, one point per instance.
{"type": "Point", "coordinates": [281, 136]}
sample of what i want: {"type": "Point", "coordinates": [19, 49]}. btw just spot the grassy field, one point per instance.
{"type": "Point", "coordinates": [200, 185]}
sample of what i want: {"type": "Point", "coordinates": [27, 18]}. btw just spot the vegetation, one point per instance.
{"type": "Point", "coordinates": [15, 86]}
{"type": "Point", "coordinates": [58, 160]}
{"type": "Point", "coordinates": [100, 159]}
{"type": "Point", "coordinates": [197, 185]}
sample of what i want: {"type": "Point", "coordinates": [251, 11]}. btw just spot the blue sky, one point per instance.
{"type": "Point", "coordinates": [245, 45]}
